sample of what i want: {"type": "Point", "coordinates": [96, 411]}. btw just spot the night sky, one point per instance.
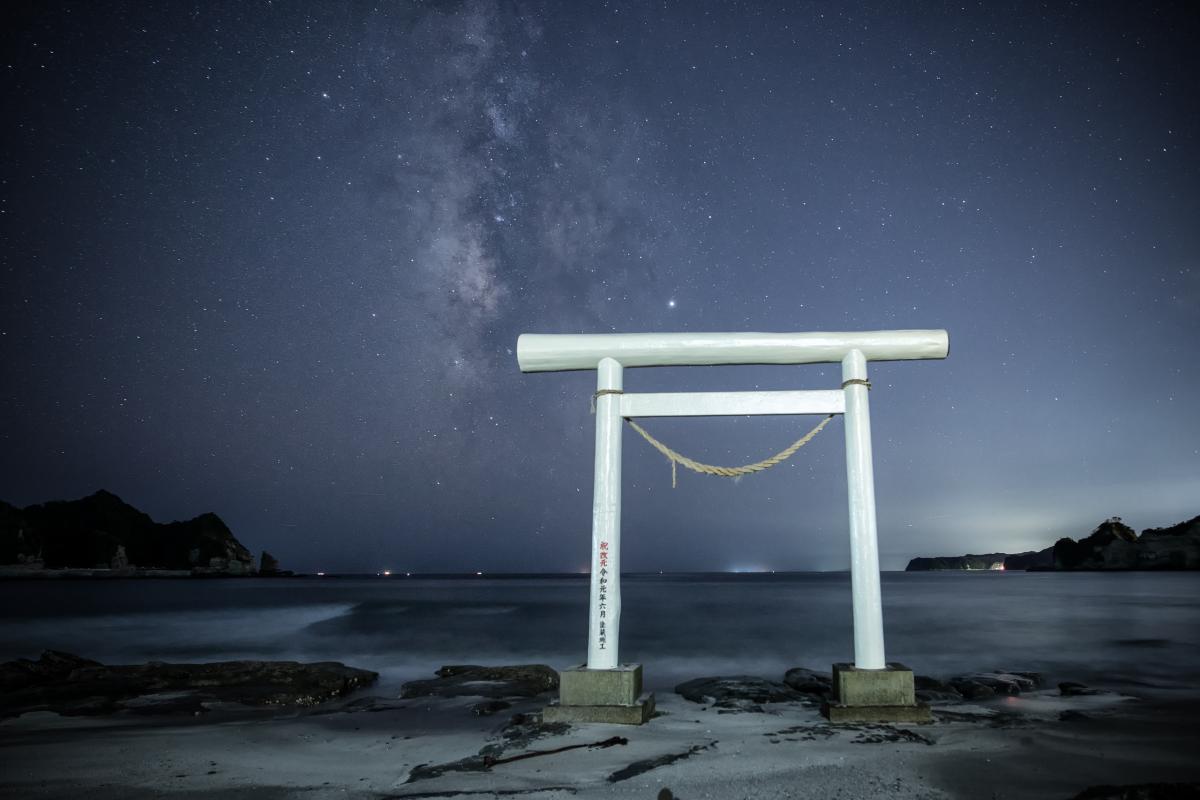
{"type": "Point", "coordinates": [271, 260]}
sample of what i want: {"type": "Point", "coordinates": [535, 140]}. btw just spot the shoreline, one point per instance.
{"type": "Point", "coordinates": [1035, 745]}
{"type": "Point", "coordinates": [325, 730]}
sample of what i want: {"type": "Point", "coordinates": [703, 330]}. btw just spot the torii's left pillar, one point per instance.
{"type": "Point", "coordinates": [603, 689]}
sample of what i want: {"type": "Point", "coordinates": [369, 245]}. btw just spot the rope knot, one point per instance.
{"type": "Point", "coordinates": [600, 392]}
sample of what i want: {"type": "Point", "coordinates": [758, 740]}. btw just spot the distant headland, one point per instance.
{"type": "Point", "coordinates": [1112, 546]}
{"type": "Point", "coordinates": [102, 536]}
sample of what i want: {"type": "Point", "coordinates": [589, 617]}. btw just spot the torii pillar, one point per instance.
{"type": "Point", "coordinates": [604, 690]}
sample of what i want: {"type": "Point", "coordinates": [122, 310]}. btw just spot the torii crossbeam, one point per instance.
{"type": "Point", "coordinates": [609, 354]}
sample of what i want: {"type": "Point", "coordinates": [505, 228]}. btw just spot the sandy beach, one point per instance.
{"type": "Point", "coordinates": [1037, 745]}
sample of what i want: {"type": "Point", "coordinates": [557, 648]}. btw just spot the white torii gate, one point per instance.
{"type": "Point", "coordinates": [609, 354]}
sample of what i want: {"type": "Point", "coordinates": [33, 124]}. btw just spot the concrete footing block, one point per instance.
{"type": "Point", "coordinates": [601, 695]}
{"type": "Point", "coordinates": [636, 713]}
{"type": "Point", "coordinates": [874, 695]}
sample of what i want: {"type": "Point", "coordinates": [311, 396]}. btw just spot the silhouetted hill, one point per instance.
{"type": "Point", "coordinates": [102, 531]}
{"type": "Point", "coordinates": [969, 561]}
{"type": "Point", "coordinates": [1033, 559]}
{"type": "Point", "coordinates": [1113, 545]}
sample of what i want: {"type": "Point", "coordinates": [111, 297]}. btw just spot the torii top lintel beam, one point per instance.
{"type": "Point", "coordinates": [548, 352]}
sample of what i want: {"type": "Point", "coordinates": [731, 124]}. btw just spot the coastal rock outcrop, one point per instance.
{"type": "Point", "coordinates": [268, 567]}
{"type": "Point", "coordinates": [969, 561]}
{"type": "Point", "coordinates": [469, 680]}
{"type": "Point", "coordinates": [810, 682]}
{"type": "Point", "coordinates": [1111, 546]}
{"type": "Point", "coordinates": [73, 686]}
{"type": "Point", "coordinates": [738, 692]}
{"type": "Point", "coordinates": [1034, 559]}
{"type": "Point", "coordinates": [102, 532]}
{"type": "Point", "coordinates": [933, 690]}
{"type": "Point", "coordinates": [1031, 559]}
{"type": "Point", "coordinates": [979, 685]}
{"type": "Point", "coordinates": [1115, 546]}
{"type": "Point", "coordinates": [1112, 542]}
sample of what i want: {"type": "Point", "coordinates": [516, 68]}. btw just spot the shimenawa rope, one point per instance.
{"type": "Point", "coordinates": [728, 472]}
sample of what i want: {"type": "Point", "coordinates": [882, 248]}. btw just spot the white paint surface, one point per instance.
{"type": "Point", "coordinates": [540, 352]}
{"type": "Point", "coordinates": [864, 549]}
{"type": "Point", "coordinates": [716, 404]}
{"type": "Point", "coordinates": [604, 616]}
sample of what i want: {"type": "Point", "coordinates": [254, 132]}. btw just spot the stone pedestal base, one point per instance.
{"type": "Point", "coordinates": [635, 714]}
{"type": "Point", "coordinates": [874, 695]}
{"type": "Point", "coordinates": [601, 695]}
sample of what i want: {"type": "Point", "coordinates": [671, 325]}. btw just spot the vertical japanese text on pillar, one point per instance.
{"type": "Point", "coordinates": [602, 599]}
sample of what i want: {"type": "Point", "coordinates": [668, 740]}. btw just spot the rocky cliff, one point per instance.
{"type": "Point", "coordinates": [1034, 559]}
{"type": "Point", "coordinates": [104, 532]}
{"type": "Point", "coordinates": [969, 561]}
{"type": "Point", "coordinates": [1115, 546]}
{"type": "Point", "coordinates": [1112, 546]}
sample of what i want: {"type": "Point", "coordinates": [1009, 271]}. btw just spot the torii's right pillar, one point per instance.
{"type": "Point", "coordinates": [870, 689]}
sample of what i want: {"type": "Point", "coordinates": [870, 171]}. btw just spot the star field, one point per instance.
{"type": "Point", "coordinates": [272, 259]}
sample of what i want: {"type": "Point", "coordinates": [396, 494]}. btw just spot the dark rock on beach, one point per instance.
{"type": "Point", "coordinates": [51, 667]}
{"type": "Point", "coordinates": [980, 685]}
{"type": "Point", "coordinates": [102, 532]}
{"type": "Point", "coordinates": [807, 681]}
{"type": "Point", "coordinates": [748, 693]}
{"type": "Point", "coordinates": [974, 690]}
{"type": "Point", "coordinates": [738, 692]}
{"type": "Point", "coordinates": [71, 685]}
{"type": "Point", "coordinates": [526, 680]}
{"type": "Point", "coordinates": [489, 707]}
{"type": "Point", "coordinates": [932, 690]}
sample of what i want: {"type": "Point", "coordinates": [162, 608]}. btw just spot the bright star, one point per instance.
{"type": "Point", "coordinates": [670, 304]}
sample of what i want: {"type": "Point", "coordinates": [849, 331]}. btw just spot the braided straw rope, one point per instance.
{"type": "Point", "coordinates": [727, 472]}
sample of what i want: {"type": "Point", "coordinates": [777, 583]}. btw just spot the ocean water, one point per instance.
{"type": "Point", "coordinates": [1124, 630]}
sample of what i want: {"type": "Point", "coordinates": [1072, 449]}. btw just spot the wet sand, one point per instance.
{"type": "Point", "coordinates": [1038, 745]}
